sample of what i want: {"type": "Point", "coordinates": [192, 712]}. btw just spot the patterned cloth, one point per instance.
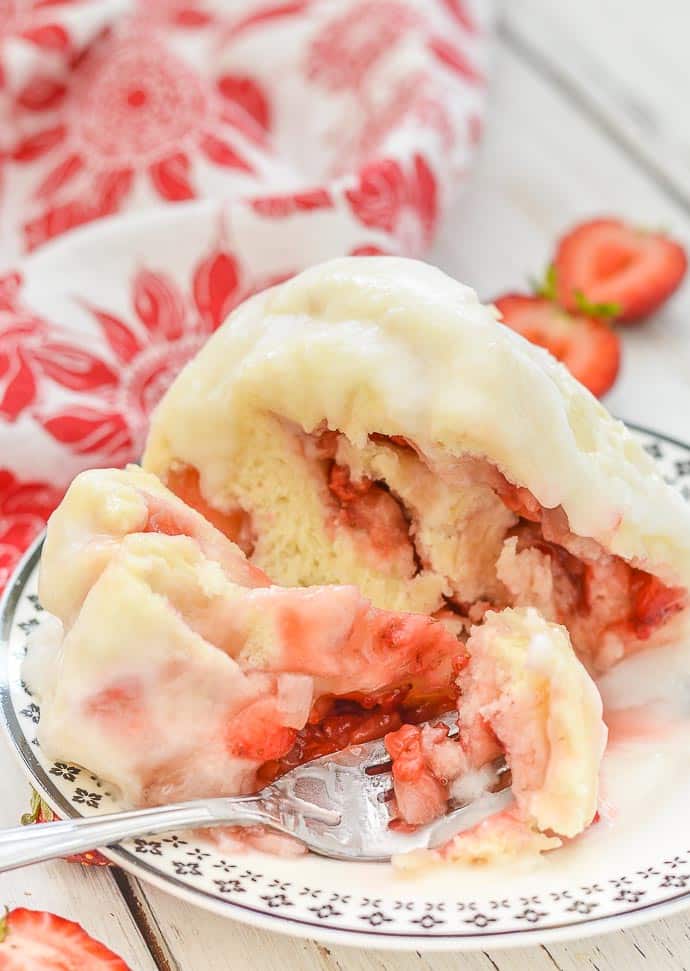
{"type": "Point", "coordinates": [306, 129]}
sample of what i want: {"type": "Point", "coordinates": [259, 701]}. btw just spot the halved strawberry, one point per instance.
{"type": "Point", "coordinates": [588, 348]}
{"type": "Point", "coordinates": [40, 812]}
{"type": "Point", "coordinates": [34, 939]}
{"type": "Point", "coordinates": [609, 263]}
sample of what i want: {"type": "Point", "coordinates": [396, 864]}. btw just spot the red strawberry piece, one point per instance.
{"type": "Point", "coordinates": [257, 734]}
{"type": "Point", "coordinates": [41, 812]}
{"type": "Point", "coordinates": [369, 507]}
{"type": "Point", "coordinates": [420, 796]}
{"type": "Point", "coordinates": [33, 939]}
{"type": "Point", "coordinates": [653, 603]}
{"type": "Point", "coordinates": [608, 262]}
{"type": "Point", "coordinates": [588, 348]}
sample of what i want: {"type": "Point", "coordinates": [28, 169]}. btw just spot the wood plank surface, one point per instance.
{"type": "Point", "coordinates": [625, 63]}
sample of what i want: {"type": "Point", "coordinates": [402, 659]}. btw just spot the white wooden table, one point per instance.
{"type": "Point", "coordinates": [589, 114]}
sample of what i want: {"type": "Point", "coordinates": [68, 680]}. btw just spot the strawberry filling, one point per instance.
{"type": "Point", "coordinates": [369, 510]}
{"type": "Point", "coordinates": [256, 733]}
{"type": "Point", "coordinates": [593, 593]}
{"type": "Point", "coordinates": [609, 606]}
{"type": "Point", "coordinates": [336, 722]}
{"type": "Point", "coordinates": [652, 603]}
{"type": "Point", "coordinates": [173, 520]}
{"type": "Point", "coordinates": [236, 524]}
{"type": "Point", "coordinates": [420, 794]}
{"type": "Point", "coordinates": [605, 602]}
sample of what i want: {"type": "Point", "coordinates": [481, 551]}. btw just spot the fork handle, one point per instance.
{"type": "Point", "coordinates": [23, 845]}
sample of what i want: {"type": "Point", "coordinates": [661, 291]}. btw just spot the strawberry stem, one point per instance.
{"type": "Point", "coordinates": [39, 811]}
{"type": "Point", "coordinates": [3, 925]}
{"type": "Point", "coordinates": [32, 816]}
{"type": "Point", "coordinates": [546, 287]}
{"type": "Point", "coordinates": [602, 311]}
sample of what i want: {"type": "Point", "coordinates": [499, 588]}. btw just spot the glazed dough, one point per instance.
{"type": "Point", "coordinates": [395, 347]}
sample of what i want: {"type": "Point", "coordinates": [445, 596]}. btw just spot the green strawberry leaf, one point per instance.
{"type": "Point", "coordinates": [546, 287]}
{"type": "Point", "coordinates": [32, 816]}
{"type": "Point", "coordinates": [602, 311]}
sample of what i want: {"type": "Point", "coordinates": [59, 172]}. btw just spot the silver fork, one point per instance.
{"type": "Point", "coordinates": [336, 805]}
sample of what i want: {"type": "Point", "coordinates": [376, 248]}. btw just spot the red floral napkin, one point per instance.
{"type": "Point", "coordinates": [305, 129]}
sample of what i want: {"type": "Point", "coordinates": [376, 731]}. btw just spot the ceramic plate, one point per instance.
{"type": "Point", "coordinates": [632, 866]}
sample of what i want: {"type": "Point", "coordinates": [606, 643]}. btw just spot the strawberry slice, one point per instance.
{"type": "Point", "coordinates": [588, 348]}
{"type": "Point", "coordinates": [608, 263]}
{"type": "Point", "coordinates": [40, 812]}
{"type": "Point", "coordinates": [33, 939]}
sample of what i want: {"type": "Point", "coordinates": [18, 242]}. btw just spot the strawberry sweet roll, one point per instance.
{"type": "Point", "coordinates": [370, 422]}
{"type": "Point", "coordinates": [366, 503]}
{"type": "Point", "coordinates": [175, 669]}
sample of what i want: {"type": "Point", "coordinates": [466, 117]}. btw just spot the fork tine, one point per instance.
{"type": "Point", "coordinates": [331, 817]}
{"type": "Point", "coordinates": [378, 769]}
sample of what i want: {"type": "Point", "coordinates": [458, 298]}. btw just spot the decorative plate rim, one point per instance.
{"type": "Point", "coordinates": [632, 915]}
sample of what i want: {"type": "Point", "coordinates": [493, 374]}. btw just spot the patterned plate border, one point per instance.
{"type": "Point", "coordinates": [232, 890]}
